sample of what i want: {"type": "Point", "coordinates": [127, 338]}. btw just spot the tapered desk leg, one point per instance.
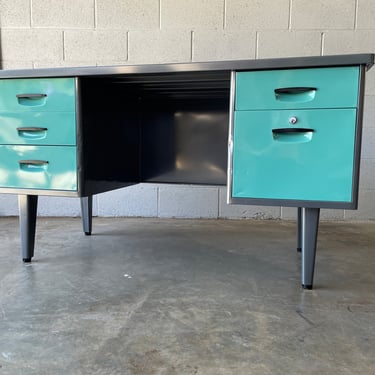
{"type": "Point", "coordinates": [86, 211]}
{"type": "Point", "coordinates": [27, 205]}
{"type": "Point", "coordinates": [310, 223]}
{"type": "Point", "coordinates": [299, 229]}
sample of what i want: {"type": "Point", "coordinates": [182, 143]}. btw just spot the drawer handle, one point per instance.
{"type": "Point", "coordinates": [31, 96]}
{"type": "Point", "coordinates": [291, 130]}
{"type": "Point", "coordinates": [31, 99]}
{"type": "Point", "coordinates": [32, 129]}
{"type": "Point", "coordinates": [33, 165]}
{"type": "Point", "coordinates": [294, 90]}
{"type": "Point", "coordinates": [32, 132]}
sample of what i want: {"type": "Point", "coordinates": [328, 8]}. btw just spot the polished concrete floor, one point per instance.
{"type": "Point", "coordinates": [184, 297]}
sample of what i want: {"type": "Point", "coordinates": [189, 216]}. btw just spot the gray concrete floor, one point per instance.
{"type": "Point", "coordinates": [184, 297]}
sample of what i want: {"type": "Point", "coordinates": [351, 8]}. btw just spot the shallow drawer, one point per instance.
{"type": "Point", "coordinates": [44, 128]}
{"type": "Point", "coordinates": [297, 88]}
{"type": "Point", "coordinates": [38, 167]}
{"type": "Point", "coordinates": [37, 94]}
{"type": "Point", "coordinates": [311, 160]}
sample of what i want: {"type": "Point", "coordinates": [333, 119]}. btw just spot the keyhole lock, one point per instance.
{"type": "Point", "coordinates": [293, 120]}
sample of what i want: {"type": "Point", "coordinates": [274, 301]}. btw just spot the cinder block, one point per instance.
{"type": "Point", "coordinates": [15, 13]}
{"type": "Point", "coordinates": [290, 213]}
{"type": "Point", "coordinates": [62, 206]}
{"type": "Point", "coordinates": [188, 201]}
{"type": "Point", "coordinates": [288, 43]}
{"type": "Point", "coordinates": [8, 205]}
{"type": "Point", "coordinates": [236, 211]}
{"type": "Point", "coordinates": [369, 118]}
{"type": "Point", "coordinates": [31, 44]}
{"type": "Point", "coordinates": [62, 64]}
{"type": "Point", "coordinates": [366, 14]}
{"type": "Point", "coordinates": [159, 46]}
{"type": "Point", "coordinates": [138, 200]}
{"type": "Point", "coordinates": [328, 214]}
{"type": "Point", "coordinates": [323, 14]}
{"type": "Point", "coordinates": [223, 45]}
{"type": "Point", "coordinates": [192, 14]}
{"type": "Point", "coordinates": [128, 14]}
{"type": "Point", "coordinates": [95, 45]}
{"type": "Point", "coordinates": [63, 13]}
{"type": "Point", "coordinates": [257, 15]}
{"type": "Point", "coordinates": [12, 64]}
{"type": "Point", "coordinates": [369, 103]}
{"type": "Point", "coordinates": [370, 78]}
{"type": "Point", "coordinates": [368, 143]}
{"type": "Point", "coordinates": [366, 206]}
{"type": "Point", "coordinates": [341, 42]}
{"type": "Point", "coordinates": [367, 174]}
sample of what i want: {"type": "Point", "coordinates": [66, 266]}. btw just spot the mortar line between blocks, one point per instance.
{"type": "Point", "coordinates": [290, 15]}
{"type": "Point", "coordinates": [356, 14]}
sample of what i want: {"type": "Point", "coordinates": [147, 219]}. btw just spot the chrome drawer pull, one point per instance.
{"type": "Point", "coordinates": [31, 166]}
{"type": "Point", "coordinates": [294, 90]}
{"type": "Point", "coordinates": [33, 162]}
{"type": "Point", "coordinates": [32, 129]}
{"type": "Point", "coordinates": [31, 96]}
{"type": "Point", "coordinates": [291, 130]}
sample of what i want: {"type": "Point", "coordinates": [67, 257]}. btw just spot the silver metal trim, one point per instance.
{"type": "Point", "coordinates": [232, 98]}
{"type": "Point", "coordinates": [79, 141]}
{"type": "Point", "coordinates": [358, 138]}
{"type": "Point", "coordinates": [261, 64]}
{"type": "Point", "coordinates": [30, 191]}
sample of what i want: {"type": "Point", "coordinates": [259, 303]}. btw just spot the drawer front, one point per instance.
{"type": "Point", "coordinates": [312, 162]}
{"type": "Point", "coordinates": [43, 128]}
{"type": "Point", "coordinates": [38, 167]}
{"type": "Point", "coordinates": [41, 94]}
{"type": "Point", "coordinates": [297, 88]}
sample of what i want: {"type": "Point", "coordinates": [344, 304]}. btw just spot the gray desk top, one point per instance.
{"type": "Point", "coordinates": [261, 64]}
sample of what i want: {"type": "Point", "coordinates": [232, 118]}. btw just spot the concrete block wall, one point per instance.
{"type": "Point", "coordinates": [50, 33]}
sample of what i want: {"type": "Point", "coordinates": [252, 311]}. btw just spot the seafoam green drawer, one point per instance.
{"type": "Point", "coordinates": [44, 128]}
{"type": "Point", "coordinates": [297, 88]}
{"type": "Point", "coordinates": [310, 160]}
{"type": "Point", "coordinates": [37, 94]}
{"type": "Point", "coordinates": [38, 167]}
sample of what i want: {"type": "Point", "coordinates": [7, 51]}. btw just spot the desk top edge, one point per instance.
{"type": "Point", "coordinates": [225, 65]}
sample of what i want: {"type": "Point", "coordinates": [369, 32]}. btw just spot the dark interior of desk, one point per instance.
{"type": "Point", "coordinates": [162, 128]}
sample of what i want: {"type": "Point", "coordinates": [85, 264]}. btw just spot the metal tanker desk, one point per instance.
{"type": "Point", "coordinates": [277, 132]}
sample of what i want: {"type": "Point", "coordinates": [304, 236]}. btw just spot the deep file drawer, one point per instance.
{"type": "Point", "coordinates": [38, 128]}
{"type": "Point", "coordinates": [310, 160]}
{"type": "Point", "coordinates": [297, 88]}
{"type": "Point", "coordinates": [40, 94]}
{"type": "Point", "coordinates": [38, 167]}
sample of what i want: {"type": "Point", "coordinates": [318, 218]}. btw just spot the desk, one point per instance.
{"type": "Point", "coordinates": [276, 132]}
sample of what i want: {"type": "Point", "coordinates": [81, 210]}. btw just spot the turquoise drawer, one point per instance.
{"type": "Point", "coordinates": [38, 167]}
{"type": "Point", "coordinates": [40, 94]}
{"type": "Point", "coordinates": [44, 128]}
{"type": "Point", "coordinates": [297, 88]}
{"type": "Point", "coordinates": [310, 160]}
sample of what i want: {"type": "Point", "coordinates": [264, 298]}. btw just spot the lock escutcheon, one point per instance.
{"type": "Point", "coordinates": [293, 120]}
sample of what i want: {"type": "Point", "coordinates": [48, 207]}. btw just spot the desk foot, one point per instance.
{"type": "Point", "coordinates": [86, 211]}
{"type": "Point", "coordinates": [308, 287]}
{"type": "Point", "coordinates": [26, 260]}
